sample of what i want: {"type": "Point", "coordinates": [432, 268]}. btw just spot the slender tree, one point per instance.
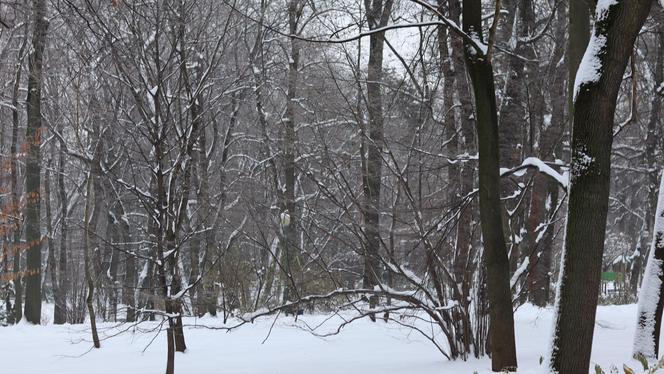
{"type": "Point", "coordinates": [378, 14]}
{"type": "Point", "coordinates": [478, 62]}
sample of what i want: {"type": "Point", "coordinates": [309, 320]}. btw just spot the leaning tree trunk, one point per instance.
{"type": "Point", "coordinates": [651, 297]}
{"type": "Point", "coordinates": [33, 165]}
{"type": "Point", "coordinates": [503, 348]}
{"type": "Point", "coordinates": [597, 84]}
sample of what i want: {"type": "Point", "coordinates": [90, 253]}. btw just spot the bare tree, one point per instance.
{"type": "Point", "coordinates": [595, 93]}
{"type": "Point", "coordinates": [33, 164]}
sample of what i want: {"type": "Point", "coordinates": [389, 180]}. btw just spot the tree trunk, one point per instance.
{"type": "Point", "coordinates": [33, 165]}
{"type": "Point", "coordinates": [462, 127]}
{"type": "Point", "coordinates": [503, 349]}
{"type": "Point", "coordinates": [544, 200]}
{"type": "Point", "coordinates": [289, 215]}
{"type": "Point", "coordinates": [111, 237]}
{"type": "Point", "coordinates": [511, 126]}
{"type": "Point", "coordinates": [17, 310]}
{"type": "Point", "coordinates": [170, 352]}
{"type": "Point", "coordinates": [60, 310]}
{"type": "Point", "coordinates": [653, 141]}
{"type": "Point", "coordinates": [651, 296]}
{"type": "Point", "coordinates": [88, 216]}
{"type": "Point", "coordinates": [208, 294]}
{"type": "Point", "coordinates": [609, 50]}
{"type": "Point", "coordinates": [579, 34]}
{"type": "Point", "coordinates": [512, 109]}
{"type": "Point", "coordinates": [51, 260]}
{"type": "Point", "coordinates": [378, 13]}
{"type": "Point", "coordinates": [129, 279]}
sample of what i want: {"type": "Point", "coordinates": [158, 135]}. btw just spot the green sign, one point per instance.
{"type": "Point", "coordinates": [612, 276]}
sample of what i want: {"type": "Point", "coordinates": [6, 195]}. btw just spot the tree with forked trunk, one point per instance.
{"type": "Point", "coordinates": [478, 62]}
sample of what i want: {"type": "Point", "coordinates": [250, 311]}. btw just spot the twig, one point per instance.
{"type": "Point", "coordinates": [492, 32]}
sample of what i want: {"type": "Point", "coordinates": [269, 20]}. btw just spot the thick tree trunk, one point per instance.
{"type": "Point", "coordinates": [33, 165]}
{"type": "Point", "coordinates": [170, 351]}
{"type": "Point", "coordinates": [596, 91]}
{"type": "Point", "coordinates": [503, 349]}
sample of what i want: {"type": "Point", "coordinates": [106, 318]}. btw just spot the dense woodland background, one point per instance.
{"type": "Point", "coordinates": [239, 158]}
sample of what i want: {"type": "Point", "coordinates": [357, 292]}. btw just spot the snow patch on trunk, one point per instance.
{"type": "Point", "coordinates": [590, 69]}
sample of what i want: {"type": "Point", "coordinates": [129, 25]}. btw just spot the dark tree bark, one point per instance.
{"type": "Point", "coordinates": [378, 13]}
{"type": "Point", "coordinates": [207, 295]}
{"type": "Point", "coordinates": [93, 207]}
{"type": "Point", "coordinates": [579, 34]}
{"type": "Point", "coordinates": [90, 224]}
{"type": "Point", "coordinates": [62, 284]}
{"type": "Point", "coordinates": [33, 165]}
{"type": "Point", "coordinates": [503, 349]}
{"type": "Point", "coordinates": [594, 108]}
{"type": "Point", "coordinates": [129, 260]}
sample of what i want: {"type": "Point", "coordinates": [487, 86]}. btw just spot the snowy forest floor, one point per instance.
{"type": "Point", "coordinates": [362, 347]}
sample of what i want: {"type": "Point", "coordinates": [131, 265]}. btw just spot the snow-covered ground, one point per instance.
{"type": "Point", "coordinates": [362, 347]}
